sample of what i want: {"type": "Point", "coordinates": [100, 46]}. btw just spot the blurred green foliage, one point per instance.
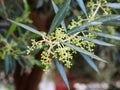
{"type": "Point", "coordinates": [88, 24]}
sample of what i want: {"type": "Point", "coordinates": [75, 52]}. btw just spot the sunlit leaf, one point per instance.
{"type": "Point", "coordinates": [82, 6]}
{"type": "Point", "coordinates": [33, 36]}
{"type": "Point", "coordinates": [62, 72]}
{"type": "Point", "coordinates": [97, 41]}
{"type": "Point", "coordinates": [26, 27]}
{"type": "Point", "coordinates": [11, 30]}
{"type": "Point", "coordinates": [59, 16]}
{"type": "Point", "coordinates": [26, 6]}
{"type": "Point", "coordinates": [113, 5]}
{"type": "Point", "coordinates": [83, 51]}
{"type": "Point", "coordinates": [90, 62]}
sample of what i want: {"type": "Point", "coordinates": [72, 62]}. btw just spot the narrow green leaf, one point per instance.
{"type": "Point", "coordinates": [62, 72]}
{"type": "Point", "coordinates": [54, 6]}
{"type": "Point", "coordinates": [27, 63]}
{"type": "Point", "coordinates": [83, 51]}
{"type": "Point", "coordinates": [105, 35]}
{"type": "Point", "coordinates": [20, 63]}
{"type": "Point", "coordinates": [38, 63]}
{"type": "Point", "coordinates": [13, 66]}
{"type": "Point", "coordinates": [26, 27]}
{"type": "Point", "coordinates": [102, 20]}
{"type": "Point", "coordinates": [82, 6]}
{"type": "Point", "coordinates": [82, 27]}
{"type": "Point", "coordinates": [22, 53]}
{"type": "Point", "coordinates": [113, 23]}
{"type": "Point", "coordinates": [108, 18]}
{"type": "Point", "coordinates": [59, 16]}
{"type": "Point", "coordinates": [33, 36]}
{"type": "Point", "coordinates": [7, 63]}
{"type": "Point", "coordinates": [97, 41]}
{"type": "Point", "coordinates": [90, 62]}
{"type": "Point", "coordinates": [113, 5]}
{"type": "Point", "coordinates": [11, 30]}
{"type": "Point", "coordinates": [26, 6]}
{"type": "Point", "coordinates": [56, 10]}
{"type": "Point", "coordinates": [39, 4]}
{"type": "Point", "coordinates": [64, 26]}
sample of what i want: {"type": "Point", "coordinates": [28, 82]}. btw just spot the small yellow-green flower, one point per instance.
{"type": "Point", "coordinates": [53, 44]}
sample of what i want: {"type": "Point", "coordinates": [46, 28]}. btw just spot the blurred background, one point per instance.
{"type": "Point", "coordinates": [21, 72]}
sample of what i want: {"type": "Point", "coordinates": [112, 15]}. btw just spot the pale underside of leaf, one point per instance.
{"type": "Point", "coordinates": [56, 10]}
{"type": "Point", "coordinates": [105, 35]}
{"type": "Point", "coordinates": [90, 62]}
{"type": "Point", "coordinates": [62, 72]}
{"type": "Point", "coordinates": [99, 42]}
{"type": "Point", "coordinates": [26, 27]}
{"type": "Point", "coordinates": [82, 6]}
{"type": "Point", "coordinates": [84, 51]}
{"type": "Point", "coordinates": [113, 5]}
{"type": "Point", "coordinates": [59, 16]}
{"type": "Point", "coordinates": [102, 20]}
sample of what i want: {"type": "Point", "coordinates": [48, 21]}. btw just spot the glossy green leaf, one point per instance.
{"type": "Point", "coordinates": [59, 16]}
{"type": "Point", "coordinates": [113, 5]}
{"type": "Point", "coordinates": [56, 10]}
{"type": "Point", "coordinates": [7, 63]}
{"type": "Point", "coordinates": [90, 62]}
{"type": "Point", "coordinates": [105, 35]}
{"type": "Point", "coordinates": [97, 41]}
{"type": "Point", "coordinates": [26, 27]}
{"type": "Point", "coordinates": [83, 51]}
{"type": "Point", "coordinates": [62, 72]}
{"type": "Point", "coordinates": [102, 20]}
{"type": "Point", "coordinates": [82, 6]}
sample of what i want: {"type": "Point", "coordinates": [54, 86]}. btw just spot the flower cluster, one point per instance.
{"type": "Point", "coordinates": [46, 59]}
{"type": "Point", "coordinates": [35, 45]}
{"type": "Point", "coordinates": [97, 5]}
{"type": "Point", "coordinates": [65, 55]}
{"type": "Point", "coordinates": [52, 41]}
{"type": "Point", "coordinates": [55, 49]}
{"type": "Point", "coordinates": [8, 48]}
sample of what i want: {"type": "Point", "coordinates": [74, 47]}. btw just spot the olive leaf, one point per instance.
{"type": "Point", "coordinates": [59, 16]}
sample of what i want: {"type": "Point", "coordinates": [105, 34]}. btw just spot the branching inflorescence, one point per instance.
{"type": "Point", "coordinates": [64, 53]}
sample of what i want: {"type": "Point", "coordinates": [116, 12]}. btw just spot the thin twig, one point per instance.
{"type": "Point", "coordinates": [97, 9]}
{"type": "Point", "coordinates": [4, 8]}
